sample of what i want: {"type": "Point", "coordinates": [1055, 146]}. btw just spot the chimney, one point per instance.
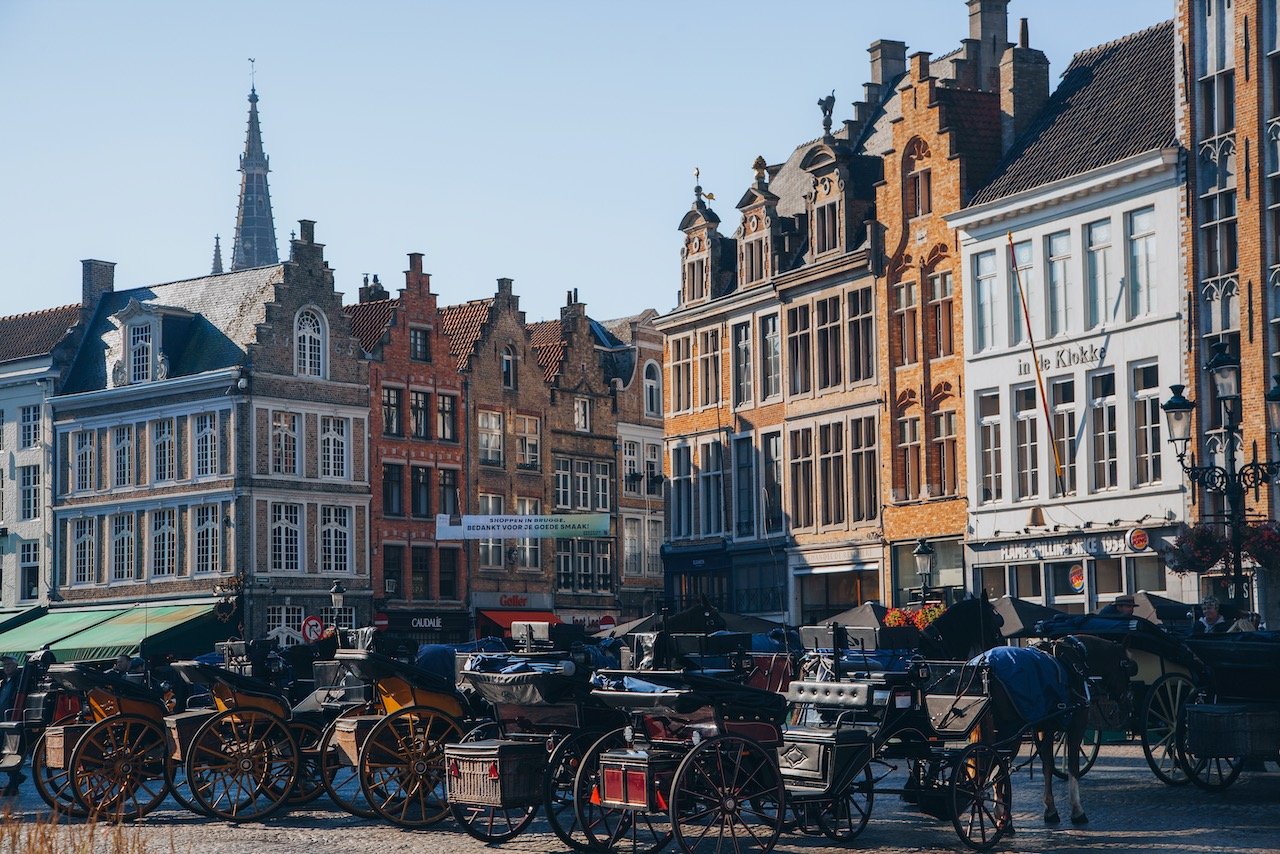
{"type": "Point", "coordinates": [1024, 87]}
{"type": "Point", "coordinates": [303, 249]}
{"type": "Point", "coordinates": [989, 26]}
{"type": "Point", "coordinates": [414, 278]}
{"type": "Point", "coordinates": [374, 292]}
{"type": "Point", "coordinates": [888, 61]}
{"type": "Point", "coordinates": [920, 65]}
{"type": "Point", "coordinates": [96, 278]}
{"type": "Point", "coordinates": [308, 228]}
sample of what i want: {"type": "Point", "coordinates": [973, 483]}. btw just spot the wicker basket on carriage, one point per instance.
{"type": "Point", "coordinates": [59, 742]}
{"type": "Point", "coordinates": [496, 773]}
{"type": "Point", "coordinates": [1233, 729]}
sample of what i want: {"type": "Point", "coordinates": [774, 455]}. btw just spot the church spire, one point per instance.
{"type": "Point", "coordinates": [255, 241]}
{"type": "Point", "coordinates": [217, 254]}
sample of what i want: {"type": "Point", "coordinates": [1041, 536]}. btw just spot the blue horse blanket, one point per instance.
{"type": "Point", "coordinates": [1035, 682]}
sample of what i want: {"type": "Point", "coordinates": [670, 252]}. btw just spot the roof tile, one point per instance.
{"type": "Point", "coordinates": [548, 341]}
{"type": "Point", "coordinates": [463, 324]}
{"type": "Point", "coordinates": [369, 320]}
{"type": "Point", "coordinates": [36, 332]}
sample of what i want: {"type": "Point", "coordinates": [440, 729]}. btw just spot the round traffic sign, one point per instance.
{"type": "Point", "coordinates": [380, 621]}
{"type": "Point", "coordinates": [312, 628]}
{"type": "Point", "coordinates": [607, 622]}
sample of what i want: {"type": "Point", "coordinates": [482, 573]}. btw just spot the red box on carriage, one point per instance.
{"type": "Point", "coordinates": [637, 779]}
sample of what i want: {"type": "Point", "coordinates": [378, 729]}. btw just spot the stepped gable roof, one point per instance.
{"type": "Point", "coordinates": [219, 319]}
{"type": "Point", "coordinates": [463, 324]}
{"type": "Point", "coordinates": [35, 333]}
{"type": "Point", "coordinates": [369, 320]}
{"type": "Point", "coordinates": [1115, 100]}
{"type": "Point", "coordinates": [548, 341]}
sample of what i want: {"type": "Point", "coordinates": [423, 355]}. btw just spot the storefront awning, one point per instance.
{"type": "Point", "coordinates": [504, 619]}
{"type": "Point", "coordinates": [51, 628]}
{"type": "Point", "coordinates": [181, 629]}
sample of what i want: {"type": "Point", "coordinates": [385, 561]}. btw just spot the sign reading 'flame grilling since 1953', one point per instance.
{"type": "Point", "coordinates": [521, 527]}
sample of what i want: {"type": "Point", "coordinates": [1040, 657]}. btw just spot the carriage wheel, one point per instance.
{"type": "Point", "coordinates": [1162, 708]}
{"type": "Point", "coordinates": [402, 765]}
{"type": "Point", "coordinates": [491, 824]}
{"type": "Point", "coordinates": [117, 768]}
{"type": "Point", "coordinates": [242, 764]}
{"type": "Point", "coordinates": [558, 792]}
{"type": "Point", "coordinates": [981, 797]}
{"type": "Point", "coordinates": [54, 784]}
{"type": "Point", "coordinates": [1213, 773]}
{"type": "Point", "coordinates": [175, 777]}
{"type": "Point", "coordinates": [606, 828]}
{"type": "Point", "coordinates": [727, 792]}
{"type": "Point", "coordinates": [848, 813]}
{"type": "Point", "coordinates": [1090, 744]}
{"type": "Point", "coordinates": [341, 781]}
{"type": "Point", "coordinates": [310, 783]}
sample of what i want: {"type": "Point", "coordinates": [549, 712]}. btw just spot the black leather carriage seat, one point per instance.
{"type": "Point", "coordinates": [836, 695]}
{"type": "Point", "coordinates": [82, 677]}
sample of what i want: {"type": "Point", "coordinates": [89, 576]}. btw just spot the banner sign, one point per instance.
{"type": "Point", "coordinates": [521, 527]}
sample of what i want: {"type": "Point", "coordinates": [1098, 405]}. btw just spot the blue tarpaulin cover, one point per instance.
{"type": "Point", "coordinates": [1035, 682]}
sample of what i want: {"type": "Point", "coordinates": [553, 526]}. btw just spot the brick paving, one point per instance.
{"type": "Point", "coordinates": [1129, 810]}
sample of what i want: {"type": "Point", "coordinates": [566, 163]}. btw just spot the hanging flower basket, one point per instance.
{"type": "Point", "coordinates": [1262, 543]}
{"type": "Point", "coordinates": [916, 617]}
{"type": "Point", "coordinates": [1198, 549]}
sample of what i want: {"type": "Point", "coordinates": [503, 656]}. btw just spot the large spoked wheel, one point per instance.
{"type": "Point", "coordinates": [848, 813]}
{"type": "Point", "coordinates": [54, 784]}
{"type": "Point", "coordinates": [341, 781]}
{"type": "Point", "coordinates": [117, 768]}
{"type": "Point", "coordinates": [1090, 745]}
{"type": "Point", "coordinates": [242, 765]}
{"type": "Point", "coordinates": [727, 793]}
{"type": "Point", "coordinates": [310, 783]}
{"type": "Point", "coordinates": [1162, 709]}
{"type": "Point", "coordinates": [488, 823]}
{"type": "Point", "coordinates": [559, 796]}
{"type": "Point", "coordinates": [175, 777]}
{"type": "Point", "coordinates": [981, 797]}
{"type": "Point", "coordinates": [1213, 773]}
{"type": "Point", "coordinates": [606, 828]}
{"type": "Point", "coordinates": [402, 765]}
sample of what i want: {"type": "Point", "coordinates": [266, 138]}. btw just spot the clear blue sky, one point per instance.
{"type": "Point", "coordinates": [551, 142]}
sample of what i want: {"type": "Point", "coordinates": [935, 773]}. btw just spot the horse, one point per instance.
{"type": "Point", "coordinates": [969, 627]}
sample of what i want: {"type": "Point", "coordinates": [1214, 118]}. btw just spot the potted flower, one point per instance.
{"type": "Point", "coordinates": [1196, 548]}
{"type": "Point", "coordinates": [1262, 543]}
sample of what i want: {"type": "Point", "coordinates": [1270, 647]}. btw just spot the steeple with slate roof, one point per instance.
{"type": "Point", "coordinates": [255, 241]}
{"type": "Point", "coordinates": [217, 254]}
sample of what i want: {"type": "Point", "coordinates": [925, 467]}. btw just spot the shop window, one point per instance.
{"type": "Point", "coordinates": [1026, 580]}
{"type": "Point", "coordinates": [1148, 574]}
{"type": "Point", "coordinates": [1108, 576]}
{"type": "Point", "coordinates": [994, 581]}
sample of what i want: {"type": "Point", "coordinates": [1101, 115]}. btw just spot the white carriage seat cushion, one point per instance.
{"type": "Point", "coordinates": [840, 695]}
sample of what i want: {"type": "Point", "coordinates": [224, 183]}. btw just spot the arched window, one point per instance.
{"type": "Point", "coordinates": [919, 186]}
{"type": "Point", "coordinates": [652, 390]}
{"type": "Point", "coordinates": [310, 344]}
{"type": "Point", "coordinates": [508, 368]}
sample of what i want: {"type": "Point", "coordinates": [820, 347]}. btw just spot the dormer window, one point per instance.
{"type": "Point", "coordinates": [509, 368]}
{"type": "Point", "coordinates": [309, 344]}
{"type": "Point", "coordinates": [695, 279]}
{"type": "Point", "coordinates": [826, 228]}
{"type": "Point", "coordinates": [753, 260]}
{"type": "Point", "coordinates": [140, 353]}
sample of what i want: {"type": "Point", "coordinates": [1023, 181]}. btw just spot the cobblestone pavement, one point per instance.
{"type": "Point", "coordinates": [1129, 810]}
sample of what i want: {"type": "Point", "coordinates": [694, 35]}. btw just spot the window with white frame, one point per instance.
{"type": "Point", "coordinates": [309, 344]}
{"type": "Point", "coordinates": [753, 259]}
{"type": "Point", "coordinates": [29, 427]}
{"type": "Point", "coordinates": [862, 334]}
{"type": "Point", "coordinates": [602, 475]}
{"type": "Point", "coordinates": [164, 543]}
{"type": "Point", "coordinates": [208, 551]}
{"type": "Point", "coordinates": [419, 414]}
{"type": "Point", "coordinates": [528, 549]}
{"type": "Point", "coordinates": [632, 547]}
{"type": "Point", "coordinates": [801, 478]}
{"type": "Point", "coordinates": [744, 487]}
{"type": "Point", "coordinates": [1026, 439]}
{"type": "Point", "coordinates": [448, 490]}
{"type": "Point", "coordinates": [333, 447]}
{"type": "Point", "coordinates": [140, 353]}
{"type": "Point", "coordinates": [564, 483]}
{"type": "Point", "coordinates": [419, 344]}
{"type": "Point", "coordinates": [864, 479]}
{"type": "Point", "coordinates": [508, 367]}
{"type": "Point", "coordinates": [906, 301]}
{"type": "Point", "coordinates": [122, 547]}
{"type": "Point", "coordinates": [944, 453]}
{"type": "Point", "coordinates": [1100, 289]}
{"type": "Point", "coordinates": [631, 474]}
{"type": "Point", "coordinates": [335, 539]}
{"type": "Point", "coordinates": [206, 444]}
{"type": "Point", "coordinates": [392, 411]}
{"type": "Point", "coordinates": [770, 357]}
{"type": "Point", "coordinates": [831, 461]}
{"type": "Point", "coordinates": [29, 571]}
{"type": "Point", "coordinates": [85, 463]}
{"type": "Point", "coordinates": [284, 443]}
{"type": "Point", "coordinates": [82, 551]}
{"type": "Point", "coordinates": [1058, 282]}
{"type": "Point", "coordinates": [420, 492]}
{"type": "Point", "coordinates": [1102, 418]}
{"type": "Point", "coordinates": [681, 492]}
{"type": "Point", "coordinates": [799, 350]}
{"type": "Point", "coordinates": [1146, 424]}
{"type": "Point", "coordinates": [826, 227]}
{"type": "Point", "coordinates": [1062, 396]}
{"type": "Point", "coordinates": [709, 367]}
{"type": "Point", "coordinates": [582, 414]}
{"type": "Point", "coordinates": [490, 431]}
{"type": "Point", "coordinates": [582, 484]}
{"type": "Point", "coordinates": [653, 469]}
{"type": "Point", "coordinates": [603, 565]}
{"type": "Point", "coordinates": [29, 492]}
{"type": "Point", "coordinates": [984, 294]}
{"type": "Point", "coordinates": [341, 618]}
{"type": "Point", "coordinates": [528, 442]}
{"type": "Point", "coordinates": [941, 314]}
{"type": "Point", "coordinates": [491, 549]}
{"type": "Point", "coordinates": [122, 455]}
{"type": "Point", "coordinates": [564, 564]}
{"type": "Point", "coordinates": [652, 390]}
{"type": "Point", "coordinates": [286, 540]}
{"type": "Point", "coordinates": [681, 374]}
{"type": "Point", "coordinates": [695, 279]}
{"type": "Point", "coordinates": [742, 365]}
{"type": "Point", "coordinates": [1022, 289]}
{"type": "Point", "coordinates": [909, 473]}
{"type": "Point", "coordinates": [1141, 281]}
{"type": "Point", "coordinates": [829, 341]}
{"type": "Point", "coordinates": [162, 450]}
{"type": "Point", "coordinates": [711, 488]}
{"type": "Point", "coordinates": [990, 450]}
{"type": "Point", "coordinates": [771, 464]}
{"type": "Point", "coordinates": [653, 547]}
{"type": "Point", "coordinates": [288, 618]}
{"type": "Point", "coordinates": [447, 417]}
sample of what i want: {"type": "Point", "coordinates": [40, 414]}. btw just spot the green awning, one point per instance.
{"type": "Point", "coordinates": [142, 629]}
{"type": "Point", "coordinates": [51, 628]}
{"type": "Point", "coordinates": [11, 619]}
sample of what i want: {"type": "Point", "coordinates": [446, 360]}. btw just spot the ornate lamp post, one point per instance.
{"type": "Point", "coordinates": [1230, 480]}
{"type": "Point", "coordinates": [923, 553]}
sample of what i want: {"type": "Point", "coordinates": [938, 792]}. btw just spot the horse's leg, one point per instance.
{"type": "Point", "coordinates": [1044, 748]}
{"type": "Point", "coordinates": [1075, 735]}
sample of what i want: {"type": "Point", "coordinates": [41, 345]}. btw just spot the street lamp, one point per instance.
{"type": "Point", "coordinates": [337, 594]}
{"type": "Point", "coordinates": [923, 553]}
{"type": "Point", "coordinates": [1230, 480]}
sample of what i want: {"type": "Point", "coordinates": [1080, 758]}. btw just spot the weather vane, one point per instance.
{"type": "Point", "coordinates": [252, 78]}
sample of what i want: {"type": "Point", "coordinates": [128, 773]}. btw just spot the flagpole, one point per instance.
{"type": "Point", "coordinates": [1035, 360]}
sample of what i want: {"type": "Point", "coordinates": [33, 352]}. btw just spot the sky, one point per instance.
{"type": "Point", "coordinates": [549, 142]}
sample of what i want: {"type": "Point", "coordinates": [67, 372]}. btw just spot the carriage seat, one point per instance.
{"type": "Point", "coordinates": [838, 695]}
